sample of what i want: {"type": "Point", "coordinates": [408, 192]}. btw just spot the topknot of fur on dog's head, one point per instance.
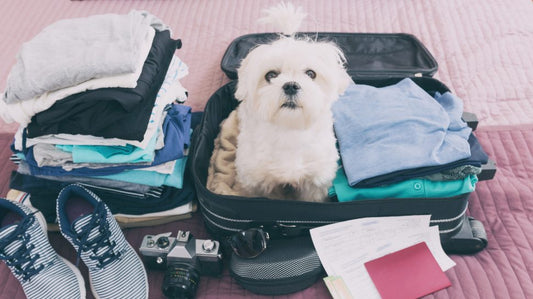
{"type": "Point", "coordinates": [285, 17]}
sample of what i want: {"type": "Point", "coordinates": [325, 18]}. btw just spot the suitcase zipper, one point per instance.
{"type": "Point", "coordinates": [287, 224]}
{"type": "Point", "coordinates": [456, 228]}
{"type": "Point", "coordinates": [438, 221]}
{"type": "Point", "coordinates": [221, 227]}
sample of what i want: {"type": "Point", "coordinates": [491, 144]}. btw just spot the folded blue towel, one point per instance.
{"type": "Point", "coordinates": [397, 127]}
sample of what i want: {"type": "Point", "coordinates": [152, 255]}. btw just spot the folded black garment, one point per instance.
{"type": "Point", "coordinates": [111, 112]}
{"type": "Point", "coordinates": [43, 195]}
{"type": "Point", "coordinates": [477, 158]}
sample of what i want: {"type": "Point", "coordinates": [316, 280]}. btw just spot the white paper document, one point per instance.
{"type": "Point", "coordinates": [344, 247]}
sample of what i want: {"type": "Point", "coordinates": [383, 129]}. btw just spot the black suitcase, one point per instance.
{"type": "Point", "coordinates": [373, 59]}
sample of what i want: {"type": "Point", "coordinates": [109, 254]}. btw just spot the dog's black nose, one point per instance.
{"type": "Point", "coordinates": [291, 88]}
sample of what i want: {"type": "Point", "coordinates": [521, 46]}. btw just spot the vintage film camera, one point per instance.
{"type": "Point", "coordinates": [185, 260]}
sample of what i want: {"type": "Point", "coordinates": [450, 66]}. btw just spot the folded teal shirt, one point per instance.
{"type": "Point", "coordinates": [111, 154]}
{"type": "Point", "coordinates": [414, 188]}
{"type": "Point", "coordinates": [152, 178]}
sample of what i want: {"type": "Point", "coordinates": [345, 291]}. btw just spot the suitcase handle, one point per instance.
{"type": "Point", "coordinates": [279, 230]}
{"type": "Point", "coordinates": [471, 120]}
{"type": "Point", "coordinates": [471, 239]}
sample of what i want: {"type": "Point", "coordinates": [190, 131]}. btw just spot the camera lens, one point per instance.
{"type": "Point", "coordinates": [181, 280]}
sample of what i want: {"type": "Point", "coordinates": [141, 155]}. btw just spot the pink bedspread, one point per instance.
{"type": "Point", "coordinates": [484, 53]}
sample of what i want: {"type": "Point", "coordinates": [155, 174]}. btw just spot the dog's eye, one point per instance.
{"type": "Point", "coordinates": [311, 74]}
{"type": "Point", "coordinates": [271, 75]}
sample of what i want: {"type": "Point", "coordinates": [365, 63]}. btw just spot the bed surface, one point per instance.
{"type": "Point", "coordinates": [484, 53]}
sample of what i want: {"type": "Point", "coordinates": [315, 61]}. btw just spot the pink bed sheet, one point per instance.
{"type": "Point", "coordinates": [483, 47]}
{"type": "Point", "coordinates": [484, 53]}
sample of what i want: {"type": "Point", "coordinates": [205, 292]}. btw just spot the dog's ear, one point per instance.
{"type": "Point", "coordinates": [241, 93]}
{"type": "Point", "coordinates": [336, 57]}
{"type": "Point", "coordinates": [344, 80]}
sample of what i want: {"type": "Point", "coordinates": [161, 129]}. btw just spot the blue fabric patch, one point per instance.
{"type": "Point", "coordinates": [397, 127]}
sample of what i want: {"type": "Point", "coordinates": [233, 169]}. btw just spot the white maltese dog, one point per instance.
{"type": "Point", "coordinates": [286, 144]}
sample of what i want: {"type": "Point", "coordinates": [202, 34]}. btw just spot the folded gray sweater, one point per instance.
{"type": "Point", "coordinates": [72, 51]}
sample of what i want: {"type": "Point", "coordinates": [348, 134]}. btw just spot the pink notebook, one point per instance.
{"type": "Point", "coordinates": [412, 272]}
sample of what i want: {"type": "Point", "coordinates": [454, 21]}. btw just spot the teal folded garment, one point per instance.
{"type": "Point", "coordinates": [111, 154]}
{"type": "Point", "coordinates": [152, 178]}
{"type": "Point", "coordinates": [414, 188]}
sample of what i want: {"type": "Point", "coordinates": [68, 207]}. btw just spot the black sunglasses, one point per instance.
{"type": "Point", "coordinates": [249, 243]}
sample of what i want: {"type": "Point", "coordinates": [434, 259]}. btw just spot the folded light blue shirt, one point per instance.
{"type": "Point", "coordinates": [397, 127]}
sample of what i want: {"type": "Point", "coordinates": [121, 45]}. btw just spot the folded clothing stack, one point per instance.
{"type": "Point", "coordinates": [400, 141]}
{"type": "Point", "coordinates": [98, 103]}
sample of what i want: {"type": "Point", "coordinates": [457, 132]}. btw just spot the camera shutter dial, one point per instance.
{"type": "Point", "coordinates": [208, 245]}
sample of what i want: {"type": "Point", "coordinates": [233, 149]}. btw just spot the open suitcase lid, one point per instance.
{"type": "Point", "coordinates": [369, 55]}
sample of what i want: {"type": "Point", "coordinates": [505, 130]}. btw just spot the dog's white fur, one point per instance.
{"type": "Point", "coordinates": [286, 144]}
{"type": "Point", "coordinates": [286, 17]}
